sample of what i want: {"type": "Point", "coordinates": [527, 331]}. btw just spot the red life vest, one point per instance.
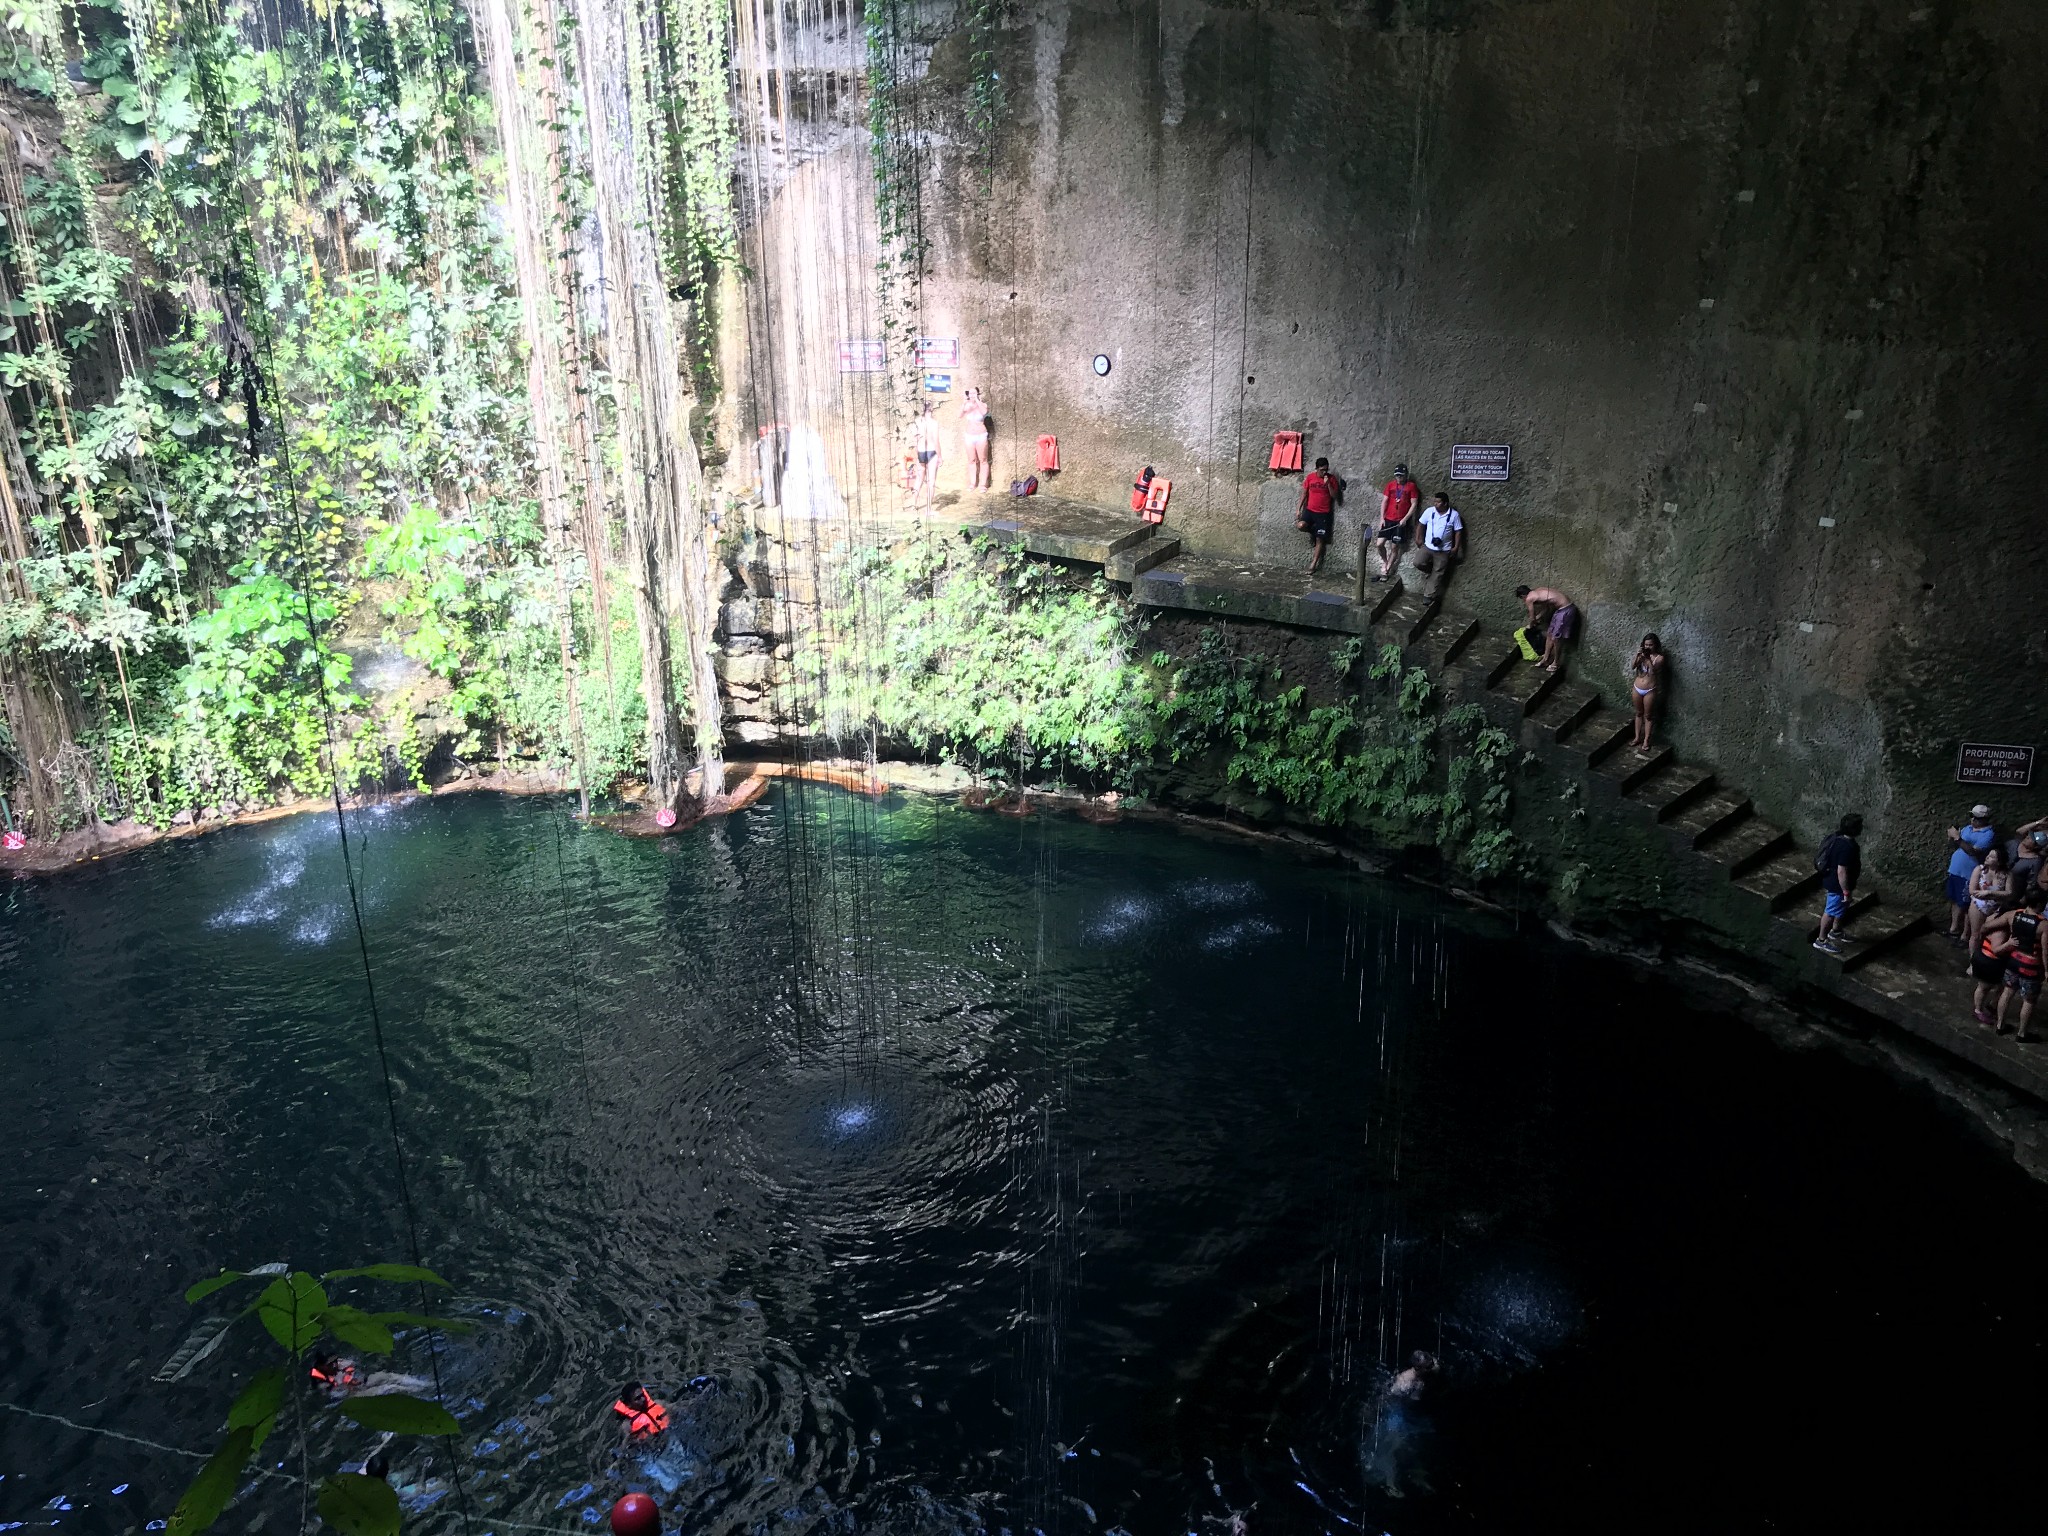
{"type": "Point", "coordinates": [641, 1422]}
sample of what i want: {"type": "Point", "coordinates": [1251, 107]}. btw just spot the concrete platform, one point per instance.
{"type": "Point", "coordinates": [1245, 589]}
{"type": "Point", "coordinates": [1053, 526]}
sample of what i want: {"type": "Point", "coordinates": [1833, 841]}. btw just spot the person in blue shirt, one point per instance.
{"type": "Point", "coordinates": [1966, 851]}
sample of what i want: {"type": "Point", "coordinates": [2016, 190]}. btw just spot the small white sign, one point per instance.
{"type": "Point", "coordinates": [1480, 461]}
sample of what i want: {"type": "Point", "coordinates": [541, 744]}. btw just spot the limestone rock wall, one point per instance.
{"type": "Point", "coordinates": [1751, 288]}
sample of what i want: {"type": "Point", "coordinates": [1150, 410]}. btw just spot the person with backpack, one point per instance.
{"type": "Point", "coordinates": [1316, 513]}
{"type": "Point", "coordinates": [1840, 862]}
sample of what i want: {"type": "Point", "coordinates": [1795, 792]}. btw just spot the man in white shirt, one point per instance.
{"type": "Point", "coordinates": [1440, 535]}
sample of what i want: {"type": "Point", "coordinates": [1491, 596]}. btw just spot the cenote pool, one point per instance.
{"type": "Point", "coordinates": [996, 1174]}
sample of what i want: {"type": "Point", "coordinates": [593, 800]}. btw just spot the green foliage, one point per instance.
{"type": "Point", "coordinates": [289, 213]}
{"type": "Point", "coordinates": [989, 658]}
{"type": "Point", "coordinates": [1374, 761]}
{"type": "Point", "coordinates": [358, 1505]}
{"type": "Point", "coordinates": [296, 1311]}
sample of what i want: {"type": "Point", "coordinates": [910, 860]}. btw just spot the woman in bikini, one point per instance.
{"type": "Point", "coordinates": [1646, 676]}
{"type": "Point", "coordinates": [974, 434]}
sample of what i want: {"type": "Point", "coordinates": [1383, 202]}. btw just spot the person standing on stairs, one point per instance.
{"type": "Point", "coordinates": [1967, 845]}
{"type": "Point", "coordinates": [1564, 618]}
{"type": "Point", "coordinates": [1397, 515]}
{"type": "Point", "coordinates": [1440, 535]}
{"type": "Point", "coordinates": [1840, 864]}
{"type": "Point", "coordinates": [1646, 676]}
{"type": "Point", "coordinates": [1316, 513]}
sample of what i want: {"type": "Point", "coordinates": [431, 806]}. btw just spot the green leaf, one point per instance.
{"type": "Point", "coordinates": [399, 1414]}
{"type": "Point", "coordinates": [256, 1409]}
{"type": "Point", "coordinates": [290, 1308]}
{"type": "Point", "coordinates": [215, 1484]}
{"type": "Point", "coordinates": [206, 1288]}
{"type": "Point", "coordinates": [422, 1320]}
{"type": "Point", "coordinates": [359, 1330]}
{"type": "Point", "coordinates": [357, 1505]}
{"type": "Point", "coordinates": [401, 1272]}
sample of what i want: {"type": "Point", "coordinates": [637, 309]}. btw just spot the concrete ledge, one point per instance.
{"type": "Point", "coordinates": [1243, 589]}
{"type": "Point", "coordinates": [1055, 527]}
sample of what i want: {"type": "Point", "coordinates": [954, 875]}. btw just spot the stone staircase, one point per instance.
{"type": "Point", "coordinates": [1701, 817]}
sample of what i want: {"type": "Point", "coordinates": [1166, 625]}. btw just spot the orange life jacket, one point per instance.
{"type": "Point", "coordinates": [1048, 454]}
{"type": "Point", "coordinates": [345, 1375]}
{"type": "Point", "coordinates": [1155, 500]}
{"type": "Point", "coordinates": [641, 1422]}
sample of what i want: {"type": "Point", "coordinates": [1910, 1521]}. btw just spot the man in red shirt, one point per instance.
{"type": "Point", "coordinates": [1397, 516]}
{"type": "Point", "coordinates": [1316, 513]}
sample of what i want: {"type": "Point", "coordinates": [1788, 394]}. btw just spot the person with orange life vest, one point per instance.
{"type": "Point", "coordinates": [335, 1374]}
{"type": "Point", "coordinates": [643, 1415]}
{"type": "Point", "coordinates": [1316, 513]}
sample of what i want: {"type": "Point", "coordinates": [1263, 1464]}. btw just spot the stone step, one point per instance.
{"type": "Point", "coordinates": [1878, 927]}
{"type": "Point", "coordinates": [1128, 564]}
{"type": "Point", "coordinates": [1377, 599]}
{"type": "Point", "coordinates": [1745, 844]}
{"type": "Point", "coordinates": [1524, 682]}
{"type": "Point", "coordinates": [1783, 880]}
{"type": "Point", "coordinates": [1628, 768]}
{"type": "Point", "coordinates": [1663, 792]}
{"type": "Point", "coordinates": [1597, 734]}
{"type": "Point", "coordinates": [1564, 707]}
{"type": "Point", "coordinates": [1448, 636]}
{"type": "Point", "coordinates": [1407, 616]}
{"type": "Point", "coordinates": [1712, 812]}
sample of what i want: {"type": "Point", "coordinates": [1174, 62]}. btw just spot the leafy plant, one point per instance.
{"type": "Point", "coordinates": [299, 1315]}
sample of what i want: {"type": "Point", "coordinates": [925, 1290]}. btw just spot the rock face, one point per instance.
{"type": "Point", "coordinates": [1750, 289]}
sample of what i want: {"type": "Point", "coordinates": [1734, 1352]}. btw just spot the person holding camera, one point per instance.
{"type": "Point", "coordinates": [1440, 542]}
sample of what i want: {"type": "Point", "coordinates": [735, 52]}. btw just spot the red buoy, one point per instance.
{"type": "Point", "coordinates": [636, 1515]}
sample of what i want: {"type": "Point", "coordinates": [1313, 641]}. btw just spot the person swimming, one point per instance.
{"type": "Point", "coordinates": [335, 1373]}
{"type": "Point", "coordinates": [1396, 1434]}
{"type": "Point", "coordinates": [338, 1376]}
{"type": "Point", "coordinates": [643, 1415]}
{"type": "Point", "coordinates": [1409, 1383]}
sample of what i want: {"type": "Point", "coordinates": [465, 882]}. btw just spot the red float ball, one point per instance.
{"type": "Point", "coordinates": [636, 1515]}
{"type": "Point", "coordinates": [664, 817]}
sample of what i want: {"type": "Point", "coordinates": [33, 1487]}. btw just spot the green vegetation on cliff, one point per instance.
{"type": "Point", "coordinates": [1021, 672]}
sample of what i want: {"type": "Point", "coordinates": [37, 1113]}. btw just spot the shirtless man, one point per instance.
{"type": "Point", "coordinates": [1564, 615]}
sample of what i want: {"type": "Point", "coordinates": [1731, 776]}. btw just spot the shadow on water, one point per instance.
{"type": "Point", "coordinates": [951, 1172]}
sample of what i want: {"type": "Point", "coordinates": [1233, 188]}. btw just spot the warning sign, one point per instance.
{"type": "Point", "coordinates": [1480, 461]}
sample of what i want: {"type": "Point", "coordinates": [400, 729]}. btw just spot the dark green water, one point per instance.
{"type": "Point", "coordinates": [998, 1174]}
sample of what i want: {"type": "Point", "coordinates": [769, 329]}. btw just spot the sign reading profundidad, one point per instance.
{"type": "Point", "coordinates": [2007, 767]}
{"type": "Point", "coordinates": [1480, 461]}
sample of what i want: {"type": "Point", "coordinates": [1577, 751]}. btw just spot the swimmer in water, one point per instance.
{"type": "Point", "coordinates": [1393, 1450]}
{"type": "Point", "coordinates": [643, 1415]}
{"type": "Point", "coordinates": [1421, 1366]}
{"type": "Point", "coordinates": [338, 1376]}
{"type": "Point", "coordinates": [335, 1374]}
